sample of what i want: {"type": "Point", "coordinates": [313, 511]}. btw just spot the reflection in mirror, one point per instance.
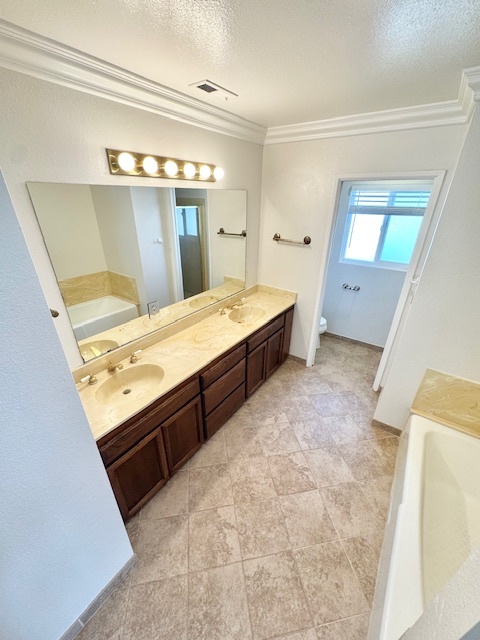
{"type": "Point", "coordinates": [130, 260]}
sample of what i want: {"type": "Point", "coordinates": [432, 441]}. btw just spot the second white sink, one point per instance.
{"type": "Point", "coordinates": [246, 315]}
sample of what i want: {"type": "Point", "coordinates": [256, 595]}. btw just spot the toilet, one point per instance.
{"type": "Point", "coordinates": [322, 327]}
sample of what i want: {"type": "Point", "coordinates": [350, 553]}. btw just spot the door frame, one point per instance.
{"type": "Point", "coordinates": [415, 268]}
{"type": "Point", "coordinates": [203, 232]}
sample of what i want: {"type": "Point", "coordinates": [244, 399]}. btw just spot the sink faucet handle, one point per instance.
{"type": "Point", "coordinates": [133, 357]}
{"type": "Point", "coordinates": [90, 377]}
{"type": "Point", "coordinates": [222, 311]}
{"type": "Point", "coordinates": [113, 367]}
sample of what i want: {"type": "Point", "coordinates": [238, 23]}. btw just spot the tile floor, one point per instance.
{"type": "Point", "coordinates": [274, 528]}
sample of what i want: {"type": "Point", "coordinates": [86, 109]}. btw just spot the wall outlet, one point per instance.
{"type": "Point", "coordinates": [152, 308]}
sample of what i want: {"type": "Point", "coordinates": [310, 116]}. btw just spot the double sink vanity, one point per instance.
{"type": "Point", "coordinates": [153, 410]}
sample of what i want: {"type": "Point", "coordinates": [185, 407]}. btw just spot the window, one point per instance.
{"type": "Point", "coordinates": [382, 224]}
{"type": "Point", "coordinates": [187, 221]}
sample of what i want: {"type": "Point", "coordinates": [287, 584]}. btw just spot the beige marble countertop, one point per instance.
{"type": "Point", "coordinates": [180, 356]}
{"type": "Point", "coordinates": [450, 400]}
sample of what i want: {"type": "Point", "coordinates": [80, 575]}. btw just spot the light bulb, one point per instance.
{"type": "Point", "coordinates": [218, 173]}
{"type": "Point", "coordinates": [150, 165]}
{"type": "Point", "coordinates": [189, 170]}
{"type": "Point", "coordinates": [171, 168]}
{"type": "Point", "coordinates": [205, 171]}
{"type": "Point", "coordinates": [126, 161]}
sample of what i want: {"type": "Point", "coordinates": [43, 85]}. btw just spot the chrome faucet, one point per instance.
{"type": "Point", "coordinates": [113, 367]}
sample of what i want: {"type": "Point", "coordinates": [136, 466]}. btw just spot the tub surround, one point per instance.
{"type": "Point", "coordinates": [181, 350]}
{"type": "Point", "coordinates": [449, 400]}
{"type": "Point", "coordinates": [98, 285]}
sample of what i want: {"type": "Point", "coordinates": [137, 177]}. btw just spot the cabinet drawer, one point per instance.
{"type": "Point", "coordinates": [137, 428]}
{"type": "Point", "coordinates": [265, 333]}
{"type": "Point", "coordinates": [223, 366]}
{"type": "Point", "coordinates": [224, 411]}
{"type": "Point", "coordinates": [220, 389]}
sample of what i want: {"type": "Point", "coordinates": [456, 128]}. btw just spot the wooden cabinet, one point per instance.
{"type": "Point", "coordinates": [145, 451]}
{"type": "Point", "coordinates": [141, 454]}
{"type": "Point", "coordinates": [223, 389]}
{"type": "Point", "coordinates": [139, 473]}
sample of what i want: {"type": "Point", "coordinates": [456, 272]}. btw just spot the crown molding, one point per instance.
{"type": "Point", "coordinates": [438, 114]}
{"type": "Point", "coordinates": [32, 54]}
{"type": "Point", "coordinates": [472, 78]}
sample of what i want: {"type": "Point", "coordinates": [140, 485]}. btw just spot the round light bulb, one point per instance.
{"type": "Point", "coordinates": [150, 165]}
{"type": "Point", "coordinates": [126, 161]}
{"type": "Point", "coordinates": [218, 173]}
{"type": "Point", "coordinates": [171, 168]}
{"type": "Point", "coordinates": [189, 170]}
{"type": "Point", "coordinates": [205, 171]}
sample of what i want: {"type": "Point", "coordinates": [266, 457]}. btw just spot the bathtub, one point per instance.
{"type": "Point", "coordinates": [433, 524]}
{"type": "Point", "coordinates": [95, 316]}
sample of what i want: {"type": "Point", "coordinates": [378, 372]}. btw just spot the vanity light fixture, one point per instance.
{"type": "Point", "coordinates": [131, 163]}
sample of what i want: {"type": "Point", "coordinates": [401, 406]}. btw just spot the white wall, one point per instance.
{"type": "Point", "coordinates": [364, 315]}
{"type": "Point", "coordinates": [150, 226]}
{"type": "Point", "coordinates": [298, 199]}
{"type": "Point", "coordinates": [227, 255]}
{"type": "Point", "coordinates": [442, 328]}
{"type": "Point", "coordinates": [69, 226]}
{"type": "Point", "coordinates": [61, 536]}
{"type": "Point", "coordinates": [56, 134]}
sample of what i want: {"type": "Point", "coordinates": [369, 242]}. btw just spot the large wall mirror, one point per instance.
{"type": "Point", "coordinates": [130, 260]}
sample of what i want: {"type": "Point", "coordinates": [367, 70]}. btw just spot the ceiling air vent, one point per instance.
{"type": "Point", "coordinates": [215, 89]}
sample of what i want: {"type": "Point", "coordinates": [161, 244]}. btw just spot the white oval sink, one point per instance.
{"type": "Point", "coordinates": [202, 301]}
{"type": "Point", "coordinates": [129, 384]}
{"type": "Point", "coordinates": [95, 348]}
{"type": "Point", "coordinates": [246, 315]}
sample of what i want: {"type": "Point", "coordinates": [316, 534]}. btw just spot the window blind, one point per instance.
{"type": "Point", "coordinates": [387, 203]}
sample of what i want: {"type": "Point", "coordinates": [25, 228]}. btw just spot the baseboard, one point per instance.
{"type": "Point", "coordinates": [94, 606]}
{"type": "Point", "coordinates": [387, 427]}
{"type": "Point", "coordinates": [297, 359]}
{"type": "Point", "coordinates": [374, 347]}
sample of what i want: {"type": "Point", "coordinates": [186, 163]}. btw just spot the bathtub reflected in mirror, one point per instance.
{"type": "Point", "coordinates": [130, 260]}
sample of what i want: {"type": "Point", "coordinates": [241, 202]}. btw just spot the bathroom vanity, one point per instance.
{"type": "Point", "coordinates": [208, 370]}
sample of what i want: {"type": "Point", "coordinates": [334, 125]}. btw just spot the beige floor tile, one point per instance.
{"type": "Point", "coordinates": [291, 473]}
{"type": "Point", "coordinates": [313, 385]}
{"type": "Point", "coordinates": [354, 401]}
{"type": "Point", "coordinates": [337, 380]}
{"type": "Point", "coordinates": [299, 409]}
{"type": "Point", "coordinates": [344, 429]}
{"type": "Point", "coordinates": [364, 461]}
{"type": "Point", "coordinates": [355, 628]}
{"type": "Point", "coordinates": [305, 634]}
{"type": "Point", "coordinates": [278, 438]}
{"type": "Point", "coordinates": [327, 466]}
{"type": "Point", "coordinates": [377, 492]}
{"type": "Point", "coordinates": [330, 584]}
{"type": "Point", "coordinates": [157, 611]}
{"type": "Point", "coordinates": [261, 528]}
{"type": "Point", "coordinates": [210, 487]}
{"type": "Point", "coordinates": [387, 448]}
{"type": "Point", "coordinates": [218, 605]}
{"type": "Point", "coordinates": [244, 418]}
{"type": "Point", "coordinates": [213, 539]}
{"type": "Point", "coordinates": [307, 519]}
{"type": "Point", "coordinates": [172, 500]}
{"type": "Point", "coordinates": [214, 451]}
{"type": "Point", "coordinates": [108, 621]}
{"type": "Point", "coordinates": [312, 434]}
{"type": "Point", "coordinates": [275, 596]}
{"type": "Point", "coordinates": [243, 443]}
{"type": "Point", "coordinates": [251, 480]}
{"type": "Point", "coordinates": [364, 554]}
{"type": "Point", "coordinates": [162, 550]}
{"type": "Point", "coordinates": [349, 510]}
{"type": "Point", "coordinates": [328, 404]}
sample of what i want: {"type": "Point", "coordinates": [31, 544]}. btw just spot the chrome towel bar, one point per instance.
{"type": "Point", "coordinates": [222, 232]}
{"type": "Point", "coordinates": [278, 238]}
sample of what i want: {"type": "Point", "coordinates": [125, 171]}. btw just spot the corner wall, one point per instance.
{"type": "Point", "coordinates": [62, 539]}
{"type": "Point", "coordinates": [298, 199]}
{"type": "Point", "coordinates": [442, 328]}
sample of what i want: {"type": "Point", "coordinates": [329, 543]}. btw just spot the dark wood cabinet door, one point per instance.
{"type": "Point", "coordinates": [256, 368]}
{"type": "Point", "coordinates": [138, 474]}
{"type": "Point", "coordinates": [183, 434]}
{"type": "Point", "coordinates": [287, 334]}
{"type": "Point", "coordinates": [274, 357]}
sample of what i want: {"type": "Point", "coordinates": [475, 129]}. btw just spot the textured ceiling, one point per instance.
{"type": "Point", "coordinates": [290, 62]}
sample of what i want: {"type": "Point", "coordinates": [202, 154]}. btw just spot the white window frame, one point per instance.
{"type": "Point", "coordinates": [376, 263]}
